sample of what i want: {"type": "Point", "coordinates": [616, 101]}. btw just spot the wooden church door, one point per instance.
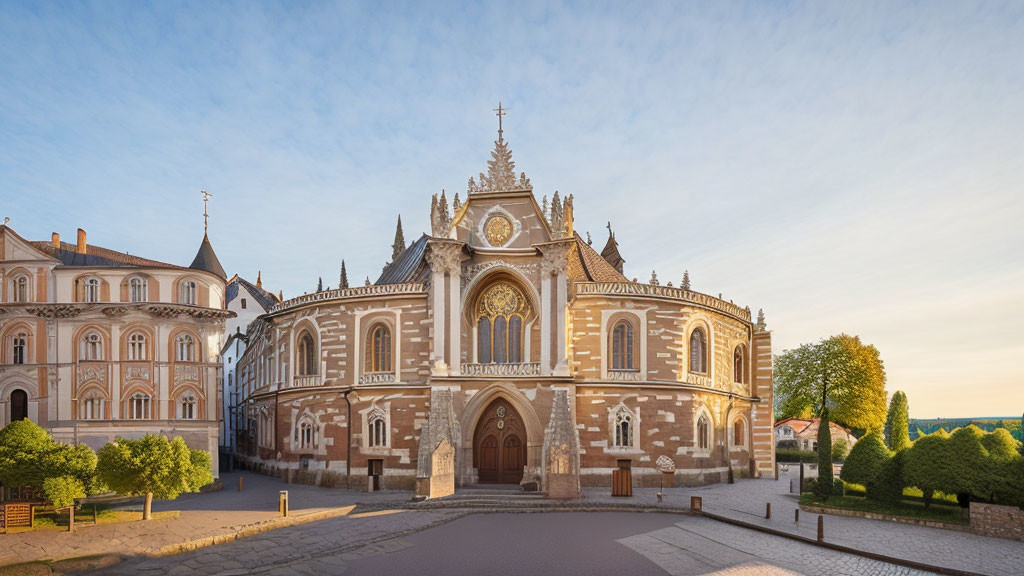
{"type": "Point", "coordinates": [499, 449]}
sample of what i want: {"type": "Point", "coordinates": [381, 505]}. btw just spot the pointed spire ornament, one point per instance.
{"type": "Point", "coordinates": [259, 279]}
{"type": "Point", "coordinates": [456, 204]}
{"type": "Point", "coordinates": [760, 320]}
{"type": "Point", "coordinates": [280, 295]}
{"type": "Point", "coordinates": [367, 283]}
{"type": "Point", "coordinates": [654, 279]}
{"type": "Point", "coordinates": [589, 241]}
{"type": "Point", "coordinates": [685, 284]}
{"type": "Point", "coordinates": [399, 246]}
{"type": "Point", "coordinates": [501, 175]}
{"type": "Point", "coordinates": [343, 277]}
{"type": "Point", "coordinates": [320, 284]}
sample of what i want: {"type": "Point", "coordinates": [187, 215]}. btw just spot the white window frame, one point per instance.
{"type": "Point", "coordinates": [138, 290]}
{"type": "Point", "coordinates": [188, 408]}
{"type": "Point", "coordinates": [137, 345]}
{"type": "Point", "coordinates": [187, 292]}
{"type": "Point", "coordinates": [92, 347]}
{"type": "Point", "coordinates": [184, 348]}
{"type": "Point", "coordinates": [21, 288]}
{"type": "Point", "coordinates": [92, 290]}
{"type": "Point", "coordinates": [19, 341]}
{"type": "Point", "coordinates": [139, 406]}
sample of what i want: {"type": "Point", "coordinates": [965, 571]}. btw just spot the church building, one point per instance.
{"type": "Point", "coordinates": [502, 348]}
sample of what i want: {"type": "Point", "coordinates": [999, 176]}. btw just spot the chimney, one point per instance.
{"type": "Point", "coordinates": [81, 242]}
{"type": "Point", "coordinates": [55, 241]}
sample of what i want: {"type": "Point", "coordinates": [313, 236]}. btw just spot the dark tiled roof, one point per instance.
{"type": "Point", "coordinates": [610, 253]}
{"type": "Point", "coordinates": [206, 260]}
{"type": "Point", "coordinates": [408, 267]}
{"type": "Point", "coordinates": [265, 299]}
{"type": "Point", "coordinates": [98, 256]}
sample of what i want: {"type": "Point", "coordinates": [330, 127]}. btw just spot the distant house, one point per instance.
{"type": "Point", "coordinates": [804, 431]}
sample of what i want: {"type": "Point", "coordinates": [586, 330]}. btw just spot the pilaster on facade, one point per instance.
{"type": "Point", "coordinates": [445, 260]}
{"type": "Point", "coordinates": [554, 267]}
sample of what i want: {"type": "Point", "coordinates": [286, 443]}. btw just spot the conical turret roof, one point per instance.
{"type": "Point", "coordinates": [206, 260]}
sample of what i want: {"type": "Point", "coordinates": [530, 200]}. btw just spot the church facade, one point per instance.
{"type": "Point", "coordinates": [502, 348]}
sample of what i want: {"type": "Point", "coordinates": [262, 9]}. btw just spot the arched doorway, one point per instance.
{"type": "Point", "coordinates": [19, 405]}
{"type": "Point", "coordinates": [499, 444]}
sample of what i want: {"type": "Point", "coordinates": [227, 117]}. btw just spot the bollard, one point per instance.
{"type": "Point", "coordinates": [768, 510]}
{"type": "Point", "coordinates": [821, 528]}
{"type": "Point", "coordinates": [95, 517]}
{"type": "Point", "coordinates": [239, 483]}
{"type": "Point", "coordinates": [660, 495]}
{"type": "Point", "coordinates": [696, 504]}
{"type": "Point", "coordinates": [283, 503]}
{"type": "Point", "coordinates": [71, 518]}
{"type": "Point", "coordinates": [796, 515]}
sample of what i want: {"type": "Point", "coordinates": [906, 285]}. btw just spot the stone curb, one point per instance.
{"type": "Point", "coordinates": [876, 516]}
{"type": "Point", "coordinates": [840, 548]}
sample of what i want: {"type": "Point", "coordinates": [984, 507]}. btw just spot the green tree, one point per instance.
{"type": "Point", "coordinates": [969, 462]}
{"type": "Point", "coordinates": [897, 423]}
{"type": "Point", "coordinates": [153, 466]}
{"type": "Point", "coordinates": [62, 491]}
{"type": "Point", "coordinates": [29, 455]}
{"type": "Point", "coordinates": [889, 483]}
{"type": "Point", "coordinates": [840, 449]}
{"type": "Point", "coordinates": [865, 461]}
{"type": "Point", "coordinates": [927, 464]}
{"type": "Point", "coordinates": [839, 372]}
{"type": "Point", "coordinates": [823, 487]}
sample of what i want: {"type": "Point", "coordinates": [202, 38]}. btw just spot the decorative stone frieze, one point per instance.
{"type": "Point", "coordinates": [92, 373]}
{"type": "Point", "coordinates": [351, 293]}
{"type": "Point", "coordinates": [115, 311]}
{"type": "Point", "coordinates": [469, 272]}
{"type": "Point", "coordinates": [522, 369]}
{"type": "Point", "coordinates": [55, 310]}
{"type": "Point", "coordinates": [555, 258]}
{"type": "Point", "coordinates": [636, 289]}
{"type": "Point", "coordinates": [444, 256]}
{"type": "Point", "coordinates": [377, 378]}
{"type": "Point", "coordinates": [624, 375]}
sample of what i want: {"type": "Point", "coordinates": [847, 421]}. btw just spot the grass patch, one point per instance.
{"type": "Point", "coordinates": [48, 520]}
{"type": "Point", "coordinates": [940, 510]}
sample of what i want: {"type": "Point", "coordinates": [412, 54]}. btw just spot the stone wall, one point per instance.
{"type": "Point", "coordinates": [998, 521]}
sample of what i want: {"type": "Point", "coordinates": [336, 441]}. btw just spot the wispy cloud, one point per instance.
{"type": "Point", "coordinates": [849, 167]}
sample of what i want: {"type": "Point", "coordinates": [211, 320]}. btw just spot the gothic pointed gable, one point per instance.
{"type": "Point", "coordinates": [610, 252]}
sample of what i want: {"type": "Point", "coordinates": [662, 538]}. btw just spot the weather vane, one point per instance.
{"type": "Point", "coordinates": [501, 112]}
{"type": "Point", "coordinates": [206, 217]}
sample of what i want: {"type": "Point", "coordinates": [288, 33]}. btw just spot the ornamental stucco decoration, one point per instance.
{"type": "Point", "coordinates": [501, 173]}
{"type": "Point", "coordinates": [502, 299]}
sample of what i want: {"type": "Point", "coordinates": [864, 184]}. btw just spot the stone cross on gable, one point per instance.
{"type": "Point", "coordinates": [500, 112]}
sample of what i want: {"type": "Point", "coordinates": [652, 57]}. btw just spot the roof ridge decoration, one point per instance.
{"type": "Point", "coordinates": [501, 169]}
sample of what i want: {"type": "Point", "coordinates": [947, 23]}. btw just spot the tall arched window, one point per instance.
{"type": "Point", "coordinates": [19, 352]}
{"type": "Point", "coordinates": [187, 292]}
{"type": "Point", "coordinates": [378, 354]}
{"type": "Point", "coordinates": [501, 311]}
{"type": "Point", "coordinates": [623, 429]}
{"type": "Point", "coordinates": [137, 347]}
{"type": "Point", "coordinates": [187, 407]}
{"type": "Point", "coordinates": [307, 435]}
{"type": "Point", "coordinates": [698, 351]}
{"type": "Point", "coordinates": [92, 407]}
{"type": "Point", "coordinates": [21, 289]}
{"type": "Point", "coordinates": [739, 365]}
{"type": "Point", "coordinates": [622, 346]}
{"type": "Point", "coordinates": [138, 406]}
{"type": "Point", "coordinates": [307, 355]}
{"type": "Point", "coordinates": [91, 347]}
{"type": "Point", "coordinates": [19, 405]}
{"type": "Point", "coordinates": [185, 348]}
{"type": "Point", "coordinates": [739, 437]}
{"type": "Point", "coordinates": [703, 433]}
{"type": "Point", "coordinates": [378, 430]}
{"type": "Point", "coordinates": [92, 290]}
{"type": "Point", "coordinates": [137, 290]}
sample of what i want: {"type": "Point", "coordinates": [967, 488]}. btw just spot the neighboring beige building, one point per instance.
{"type": "Point", "coordinates": [502, 348]}
{"type": "Point", "coordinates": [98, 344]}
{"type": "Point", "coordinates": [804, 431]}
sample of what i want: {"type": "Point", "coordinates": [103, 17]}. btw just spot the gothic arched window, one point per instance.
{"type": "Point", "coordinates": [307, 435]}
{"type": "Point", "coordinates": [307, 355]}
{"type": "Point", "coordinates": [91, 347]}
{"type": "Point", "coordinates": [698, 351]}
{"type": "Point", "coordinates": [739, 365]}
{"type": "Point", "coordinates": [378, 354]}
{"type": "Point", "coordinates": [20, 349]}
{"type": "Point", "coordinates": [138, 406]}
{"type": "Point", "coordinates": [187, 292]}
{"type": "Point", "coordinates": [739, 437]}
{"type": "Point", "coordinates": [137, 346]}
{"type": "Point", "coordinates": [92, 407]}
{"type": "Point", "coordinates": [378, 430]}
{"type": "Point", "coordinates": [622, 346]}
{"type": "Point", "coordinates": [187, 407]}
{"type": "Point", "coordinates": [703, 432]}
{"type": "Point", "coordinates": [501, 312]}
{"type": "Point", "coordinates": [623, 429]}
{"type": "Point", "coordinates": [92, 290]}
{"type": "Point", "coordinates": [186, 348]}
{"type": "Point", "coordinates": [21, 289]}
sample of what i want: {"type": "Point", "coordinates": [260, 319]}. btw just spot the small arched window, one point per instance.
{"type": "Point", "coordinates": [307, 355]}
{"type": "Point", "coordinates": [185, 348]}
{"type": "Point", "coordinates": [92, 290]}
{"type": "Point", "coordinates": [308, 435]}
{"type": "Point", "coordinates": [21, 289]}
{"type": "Point", "coordinates": [92, 407]}
{"type": "Point", "coordinates": [623, 429]}
{"type": "Point", "coordinates": [739, 362]}
{"type": "Point", "coordinates": [698, 351]}
{"type": "Point", "coordinates": [378, 430]}
{"type": "Point", "coordinates": [622, 346]}
{"type": "Point", "coordinates": [138, 406]}
{"type": "Point", "coordinates": [92, 347]}
{"type": "Point", "coordinates": [137, 290]}
{"type": "Point", "coordinates": [378, 356]}
{"type": "Point", "coordinates": [739, 437]}
{"type": "Point", "coordinates": [19, 351]}
{"type": "Point", "coordinates": [187, 407]}
{"type": "Point", "coordinates": [703, 432]}
{"type": "Point", "coordinates": [137, 347]}
{"type": "Point", "coordinates": [187, 292]}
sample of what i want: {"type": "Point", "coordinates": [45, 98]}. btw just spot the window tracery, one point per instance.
{"type": "Point", "coordinates": [500, 314]}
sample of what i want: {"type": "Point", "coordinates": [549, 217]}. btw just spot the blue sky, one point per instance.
{"type": "Point", "coordinates": [847, 166]}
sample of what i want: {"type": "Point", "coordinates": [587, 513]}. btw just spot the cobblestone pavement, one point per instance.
{"type": "Point", "coordinates": [202, 515]}
{"type": "Point", "coordinates": [745, 500]}
{"type": "Point", "coordinates": [564, 543]}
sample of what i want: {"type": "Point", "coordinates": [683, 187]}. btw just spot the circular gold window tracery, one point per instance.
{"type": "Point", "coordinates": [498, 230]}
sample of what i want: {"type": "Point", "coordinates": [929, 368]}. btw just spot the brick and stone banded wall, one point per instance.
{"type": "Point", "coordinates": [999, 521]}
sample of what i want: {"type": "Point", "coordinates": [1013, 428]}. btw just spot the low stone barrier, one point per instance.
{"type": "Point", "coordinates": [998, 521]}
